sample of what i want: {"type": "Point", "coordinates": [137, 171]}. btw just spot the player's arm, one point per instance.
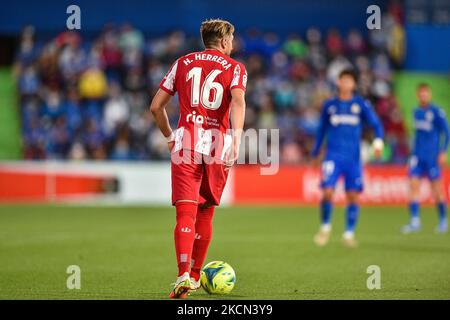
{"type": "Point", "coordinates": [373, 121]}
{"type": "Point", "coordinates": [159, 103]}
{"type": "Point", "coordinates": [323, 124]}
{"type": "Point", "coordinates": [158, 109]}
{"type": "Point", "coordinates": [237, 122]}
{"type": "Point", "coordinates": [237, 110]}
{"type": "Point", "coordinates": [445, 132]}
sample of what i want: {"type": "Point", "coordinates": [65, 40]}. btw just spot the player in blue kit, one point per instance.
{"type": "Point", "coordinates": [428, 155]}
{"type": "Point", "coordinates": [341, 124]}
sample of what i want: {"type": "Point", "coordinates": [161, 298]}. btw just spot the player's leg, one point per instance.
{"type": "Point", "coordinates": [211, 189]}
{"type": "Point", "coordinates": [186, 180]}
{"type": "Point", "coordinates": [203, 236]}
{"type": "Point", "coordinates": [440, 200]}
{"type": "Point", "coordinates": [414, 173]}
{"type": "Point", "coordinates": [323, 236]}
{"type": "Point", "coordinates": [351, 220]}
{"type": "Point", "coordinates": [326, 208]}
{"type": "Point", "coordinates": [353, 187]}
{"type": "Point", "coordinates": [184, 236]}
{"type": "Point", "coordinates": [413, 207]}
{"type": "Point", "coordinates": [330, 175]}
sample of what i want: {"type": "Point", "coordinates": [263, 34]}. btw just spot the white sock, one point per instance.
{"type": "Point", "coordinates": [349, 234]}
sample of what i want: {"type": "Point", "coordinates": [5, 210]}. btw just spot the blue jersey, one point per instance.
{"type": "Point", "coordinates": [431, 133]}
{"type": "Point", "coordinates": [341, 123]}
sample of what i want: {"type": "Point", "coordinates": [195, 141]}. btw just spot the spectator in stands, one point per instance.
{"type": "Point", "coordinates": [87, 98]}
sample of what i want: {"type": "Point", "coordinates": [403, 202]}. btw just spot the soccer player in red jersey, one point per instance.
{"type": "Point", "coordinates": [211, 92]}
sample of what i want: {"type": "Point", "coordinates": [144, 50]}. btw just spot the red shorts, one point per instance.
{"type": "Point", "coordinates": [197, 177]}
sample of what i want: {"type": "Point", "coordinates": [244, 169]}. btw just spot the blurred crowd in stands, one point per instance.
{"type": "Point", "coordinates": [87, 97]}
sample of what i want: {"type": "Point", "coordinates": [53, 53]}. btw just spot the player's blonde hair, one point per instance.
{"type": "Point", "coordinates": [213, 30]}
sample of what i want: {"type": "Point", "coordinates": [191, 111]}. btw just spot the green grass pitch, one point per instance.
{"type": "Point", "coordinates": [127, 253]}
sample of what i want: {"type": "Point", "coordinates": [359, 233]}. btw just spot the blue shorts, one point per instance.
{"type": "Point", "coordinates": [419, 168]}
{"type": "Point", "coordinates": [332, 170]}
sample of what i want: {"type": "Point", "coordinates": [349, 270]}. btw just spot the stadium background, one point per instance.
{"type": "Point", "coordinates": [83, 96]}
{"type": "Point", "coordinates": [74, 129]}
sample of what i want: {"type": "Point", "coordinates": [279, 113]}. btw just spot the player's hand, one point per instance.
{"type": "Point", "coordinates": [442, 159]}
{"type": "Point", "coordinates": [378, 153]}
{"type": "Point", "coordinates": [316, 161]}
{"type": "Point", "coordinates": [231, 158]}
{"type": "Point", "coordinates": [170, 145]}
{"type": "Point", "coordinates": [378, 146]}
{"type": "Point", "coordinates": [170, 141]}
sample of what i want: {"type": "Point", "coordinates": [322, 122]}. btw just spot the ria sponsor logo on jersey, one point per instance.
{"type": "Point", "coordinates": [199, 119]}
{"type": "Point", "coordinates": [195, 118]}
